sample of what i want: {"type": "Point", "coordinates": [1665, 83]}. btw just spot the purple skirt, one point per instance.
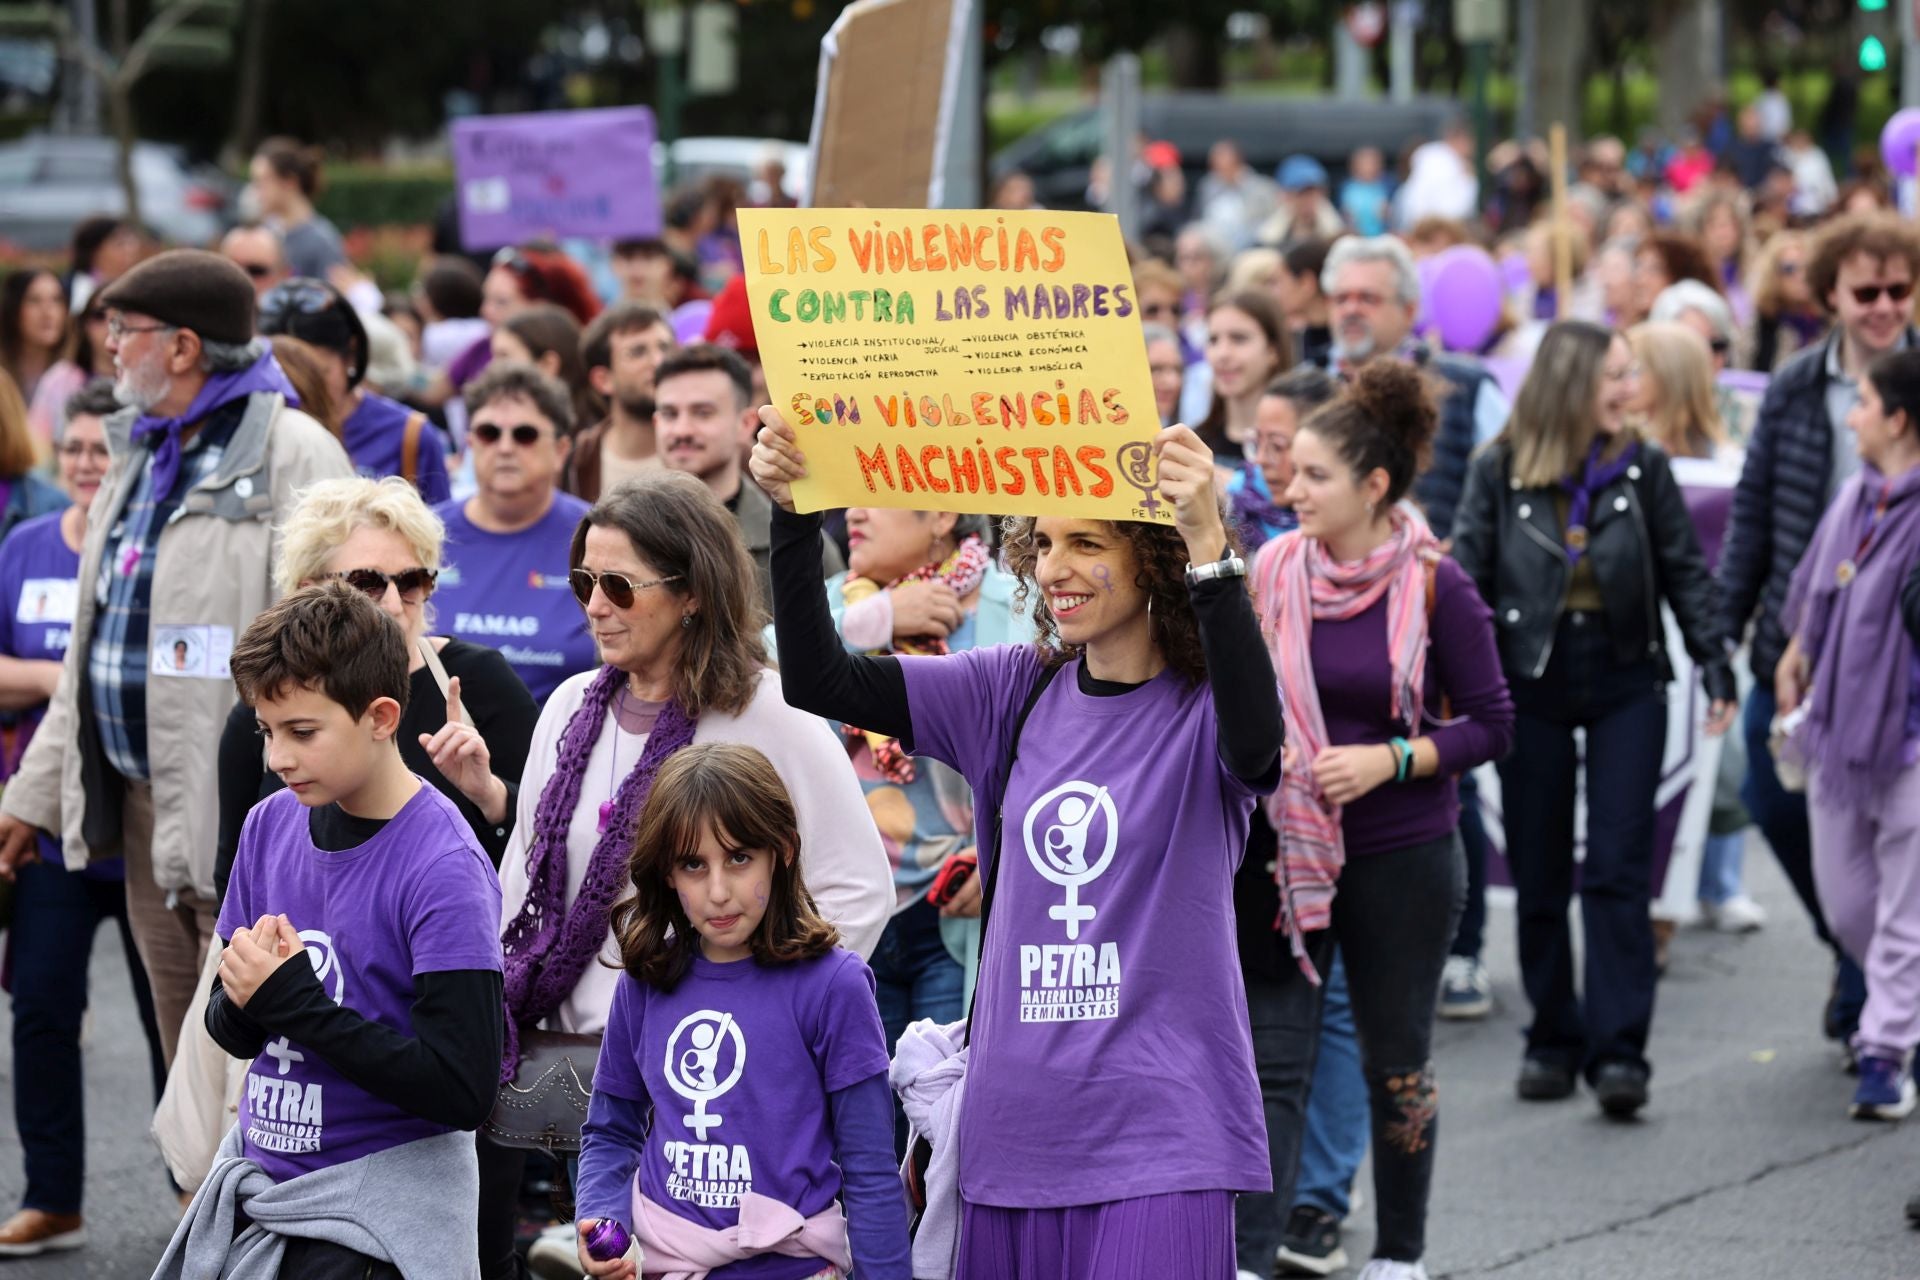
{"type": "Point", "coordinates": [1183, 1233]}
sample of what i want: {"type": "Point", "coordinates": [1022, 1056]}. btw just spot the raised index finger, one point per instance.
{"type": "Point", "coordinates": [454, 715]}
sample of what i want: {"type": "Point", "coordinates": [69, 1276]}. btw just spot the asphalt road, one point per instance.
{"type": "Point", "coordinates": [1745, 1166]}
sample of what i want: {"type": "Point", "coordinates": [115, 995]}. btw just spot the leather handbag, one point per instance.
{"type": "Point", "coordinates": [544, 1105]}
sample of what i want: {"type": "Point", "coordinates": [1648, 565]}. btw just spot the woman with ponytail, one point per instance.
{"type": "Point", "coordinates": [669, 594]}
{"type": "Point", "coordinates": [1373, 633]}
{"type": "Point", "coordinates": [1576, 533]}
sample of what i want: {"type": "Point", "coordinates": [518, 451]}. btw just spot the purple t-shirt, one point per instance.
{"type": "Point", "coordinates": [508, 591]}
{"type": "Point", "coordinates": [1350, 671]}
{"type": "Point", "coordinates": [375, 433]}
{"type": "Point", "coordinates": [38, 591]}
{"type": "Point", "coordinates": [738, 1061]}
{"type": "Point", "coordinates": [419, 897]}
{"type": "Point", "coordinates": [1111, 1051]}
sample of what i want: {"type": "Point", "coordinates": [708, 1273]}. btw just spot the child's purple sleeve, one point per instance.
{"type": "Point", "coordinates": [610, 1144]}
{"type": "Point", "coordinates": [870, 1189]}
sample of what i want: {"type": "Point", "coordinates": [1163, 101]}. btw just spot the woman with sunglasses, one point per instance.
{"type": "Point", "coordinates": [674, 602]}
{"type": "Point", "coordinates": [1786, 316]}
{"type": "Point", "coordinates": [468, 736]}
{"type": "Point", "coordinates": [382, 436]}
{"type": "Point", "coordinates": [505, 582]}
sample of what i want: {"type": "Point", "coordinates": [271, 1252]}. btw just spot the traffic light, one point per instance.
{"type": "Point", "coordinates": [1873, 54]}
{"type": "Point", "coordinates": [1872, 6]}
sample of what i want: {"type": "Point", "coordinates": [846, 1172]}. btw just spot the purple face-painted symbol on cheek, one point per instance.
{"type": "Point", "coordinates": [1103, 577]}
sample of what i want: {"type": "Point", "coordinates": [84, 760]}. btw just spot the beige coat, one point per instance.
{"type": "Point", "coordinates": [213, 566]}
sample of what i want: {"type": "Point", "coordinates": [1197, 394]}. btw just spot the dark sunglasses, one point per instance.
{"type": "Point", "coordinates": [1868, 294]}
{"type": "Point", "coordinates": [414, 585]}
{"type": "Point", "coordinates": [258, 270]}
{"type": "Point", "coordinates": [1720, 346]}
{"type": "Point", "coordinates": [305, 297]}
{"type": "Point", "coordinates": [526, 435]}
{"type": "Point", "coordinates": [618, 588]}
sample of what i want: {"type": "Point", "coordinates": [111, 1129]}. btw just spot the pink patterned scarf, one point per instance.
{"type": "Point", "coordinates": [1295, 582]}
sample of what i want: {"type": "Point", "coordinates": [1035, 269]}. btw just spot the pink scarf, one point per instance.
{"type": "Point", "coordinates": [677, 1248]}
{"type": "Point", "coordinates": [1295, 581]}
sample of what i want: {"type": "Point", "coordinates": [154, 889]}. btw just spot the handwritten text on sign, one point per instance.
{"type": "Point", "coordinates": [956, 360]}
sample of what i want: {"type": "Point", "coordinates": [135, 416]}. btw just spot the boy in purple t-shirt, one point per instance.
{"type": "Point", "coordinates": [386, 1041]}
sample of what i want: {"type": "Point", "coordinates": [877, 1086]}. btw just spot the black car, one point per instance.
{"type": "Point", "coordinates": [1059, 156]}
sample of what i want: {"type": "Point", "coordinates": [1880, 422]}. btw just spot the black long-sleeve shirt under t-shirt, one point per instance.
{"type": "Point", "coordinates": [446, 1072]}
{"type": "Point", "coordinates": [817, 674]}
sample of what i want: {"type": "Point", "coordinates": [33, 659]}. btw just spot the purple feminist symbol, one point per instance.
{"type": "Point", "coordinates": [1136, 464]}
{"type": "Point", "coordinates": [1103, 577]}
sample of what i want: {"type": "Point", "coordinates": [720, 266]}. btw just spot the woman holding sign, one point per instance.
{"type": "Point", "coordinates": [1111, 1112]}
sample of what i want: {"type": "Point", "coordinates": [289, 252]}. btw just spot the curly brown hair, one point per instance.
{"type": "Point", "coordinates": [733, 790]}
{"type": "Point", "coordinates": [1880, 236]}
{"type": "Point", "coordinates": [1160, 569]}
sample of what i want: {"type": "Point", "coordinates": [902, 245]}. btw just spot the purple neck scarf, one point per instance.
{"type": "Point", "coordinates": [1845, 607]}
{"type": "Point", "coordinates": [548, 947]}
{"type": "Point", "coordinates": [221, 389]}
{"type": "Point", "coordinates": [1593, 479]}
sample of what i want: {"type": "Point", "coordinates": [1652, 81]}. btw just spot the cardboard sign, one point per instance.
{"type": "Point", "coordinates": [957, 360]}
{"type": "Point", "coordinates": [554, 174]}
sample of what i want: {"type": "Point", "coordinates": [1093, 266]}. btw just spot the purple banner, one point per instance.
{"type": "Point", "coordinates": [555, 174]}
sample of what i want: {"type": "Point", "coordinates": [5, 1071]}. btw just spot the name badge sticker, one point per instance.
{"type": "Point", "coordinates": [192, 652]}
{"type": "Point", "coordinates": [47, 600]}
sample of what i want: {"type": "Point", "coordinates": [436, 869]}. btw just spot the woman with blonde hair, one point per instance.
{"type": "Point", "coordinates": [1676, 389]}
{"type": "Point", "coordinates": [468, 718]}
{"type": "Point", "coordinates": [1574, 530]}
{"type": "Point", "coordinates": [23, 494]}
{"type": "Point", "coordinates": [1787, 317]}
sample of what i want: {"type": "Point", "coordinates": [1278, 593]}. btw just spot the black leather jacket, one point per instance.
{"type": "Point", "coordinates": [1641, 544]}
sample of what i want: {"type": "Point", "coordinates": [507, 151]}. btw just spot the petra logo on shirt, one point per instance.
{"type": "Point", "coordinates": [284, 1114]}
{"type": "Point", "coordinates": [1071, 834]}
{"type": "Point", "coordinates": [706, 1055]}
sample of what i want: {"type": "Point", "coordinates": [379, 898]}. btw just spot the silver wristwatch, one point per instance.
{"type": "Point", "coordinates": [1228, 566]}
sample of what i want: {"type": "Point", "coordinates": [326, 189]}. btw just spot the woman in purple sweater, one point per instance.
{"type": "Point", "coordinates": [1373, 633]}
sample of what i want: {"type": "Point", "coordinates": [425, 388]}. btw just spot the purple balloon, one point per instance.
{"type": "Point", "coordinates": [1900, 140]}
{"type": "Point", "coordinates": [1464, 297]}
{"type": "Point", "coordinates": [1515, 272]}
{"type": "Point", "coordinates": [690, 321]}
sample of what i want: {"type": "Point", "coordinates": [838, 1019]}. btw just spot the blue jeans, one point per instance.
{"type": "Point", "coordinates": [1781, 816]}
{"type": "Point", "coordinates": [1470, 938]}
{"type": "Point", "coordinates": [1339, 1125]}
{"type": "Point", "coordinates": [915, 977]}
{"type": "Point", "coordinates": [1720, 862]}
{"type": "Point", "coordinates": [55, 915]}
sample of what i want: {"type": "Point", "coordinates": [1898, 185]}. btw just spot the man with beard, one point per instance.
{"type": "Point", "coordinates": [704, 419]}
{"type": "Point", "coordinates": [207, 457]}
{"type": "Point", "coordinates": [621, 348]}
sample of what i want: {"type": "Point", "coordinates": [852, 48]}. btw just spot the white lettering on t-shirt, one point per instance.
{"type": "Point", "coordinates": [711, 1175]}
{"type": "Point", "coordinates": [521, 656]}
{"type": "Point", "coordinates": [1071, 835]}
{"type": "Point", "coordinates": [496, 624]}
{"type": "Point", "coordinates": [284, 1115]}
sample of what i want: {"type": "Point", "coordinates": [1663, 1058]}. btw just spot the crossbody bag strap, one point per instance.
{"type": "Point", "coordinates": [999, 816]}
{"type": "Point", "coordinates": [410, 448]}
{"type": "Point", "coordinates": [439, 670]}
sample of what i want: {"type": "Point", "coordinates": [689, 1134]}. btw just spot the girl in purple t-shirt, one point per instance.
{"type": "Point", "coordinates": [1111, 1111]}
{"type": "Point", "coordinates": [741, 1096]}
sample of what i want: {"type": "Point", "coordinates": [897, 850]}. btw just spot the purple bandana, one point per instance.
{"type": "Point", "coordinates": [1594, 478]}
{"type": "Point", "coordinates": [221, 389]}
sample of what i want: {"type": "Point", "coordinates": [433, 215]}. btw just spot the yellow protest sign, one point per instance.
{"type": "Point", "coordinates": [947, 360]}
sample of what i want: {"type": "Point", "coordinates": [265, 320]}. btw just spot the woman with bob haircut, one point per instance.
{"type": "Point", "coordinates": [468, 718]}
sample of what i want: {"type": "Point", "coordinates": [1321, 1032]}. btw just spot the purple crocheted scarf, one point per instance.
{"type": "Point", "coordinates": [547, 947]}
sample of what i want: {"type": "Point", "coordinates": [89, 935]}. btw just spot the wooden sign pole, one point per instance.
{"type": "Point", "coordinates": [1562, 228]}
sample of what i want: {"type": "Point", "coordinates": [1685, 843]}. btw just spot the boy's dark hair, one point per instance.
{"type": "Point", "coordinates": [596, 344]}
{"type": "Point", "coordinates": [516, 379]}
{"type": "Point", "coordinates": [329, 638]}
{"type": "Point", "coordinates": [704, 356]}
{"type": "Point", "coordinates": [641, 245]}
{"type": "Point", "coordinates": [1896, 380]}
{"type": "Point", "coordinates": [1306, 258]}
{"type": "Point", "coordinates": [453, 287]}
{"type": "Point", "coordinates": [733, 790]}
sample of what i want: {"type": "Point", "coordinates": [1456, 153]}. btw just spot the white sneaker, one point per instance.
{"type": "Point", "coordinates": [1387, 1269]}
{"type": "Point", "coordinates": [1465, 989]}
{"type": "Point", "coordinates": [555, 1255]}
{"type": "Point", "coordinates": [1245, 1274]}
{"type": "Point", "coordinates": [1739, 914]}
